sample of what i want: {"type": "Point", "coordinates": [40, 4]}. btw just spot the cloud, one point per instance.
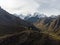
{"type": "Point", "coordinates": [48, 7]}
{"type": "Point", "coordinates": [19, 6]}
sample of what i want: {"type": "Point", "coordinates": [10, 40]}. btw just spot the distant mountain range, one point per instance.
{"type": "Point", "coordinates": [43, 22]}
{"type": "Point", "coordinates": [34, 18]}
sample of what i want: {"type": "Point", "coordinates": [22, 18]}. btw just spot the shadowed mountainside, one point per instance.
{"type": "Point", "coordinates": [10, 23]}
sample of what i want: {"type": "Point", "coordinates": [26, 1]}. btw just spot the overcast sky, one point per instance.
{"type": "Point", "coordinates": [48, 7]}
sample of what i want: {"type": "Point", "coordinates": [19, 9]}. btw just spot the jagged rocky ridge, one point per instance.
{"type": "Point", "coordinates": [34, 18]}
{"type": "Point", "coordinates": [48, 23]}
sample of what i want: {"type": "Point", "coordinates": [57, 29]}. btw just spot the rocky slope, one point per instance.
{"type": "Point", "coordinates": [49, 23]}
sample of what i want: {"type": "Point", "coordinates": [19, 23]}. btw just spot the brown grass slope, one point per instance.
{"type": "Point", "coordinates": [28, 37]}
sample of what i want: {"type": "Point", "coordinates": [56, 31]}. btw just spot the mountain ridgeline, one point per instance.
{"type": "Point", "coordinates": [43, 22]}
{"type": "Point", "coordinates": [34, 18]}
{"type": "Point", "coordinates": [36, 30]}
{"type": "Point", "coordinates": [49, 24]}
{"type": "Point", "coordinates": [9, 23]}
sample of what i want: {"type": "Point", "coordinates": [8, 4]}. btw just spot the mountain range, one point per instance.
{"type": "Point", "coordinates": [32, 30]}
{"type": "Point", "coordinates": [34, 18]}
